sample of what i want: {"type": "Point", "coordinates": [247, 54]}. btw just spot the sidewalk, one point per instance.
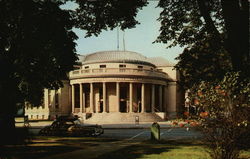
{"type": "Point", "coordinates": [132, 125]}
{"type": "Point", "coordinates": [141, 125]}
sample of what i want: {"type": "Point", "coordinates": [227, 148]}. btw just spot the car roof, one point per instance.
{"type": "Point", "coordinates": [66, 118]}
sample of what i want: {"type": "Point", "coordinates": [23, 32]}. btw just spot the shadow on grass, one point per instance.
{"type": "Point", "coordinates": [16, 136]}
{"type": "Point", "coordinates": [26, 152]}
{"type": "Point", "coordinates": [71, 140]}
{"type": "Point", "coordinates": [43, 146]}
{"type": "Point", "coordinates": [147, 148]}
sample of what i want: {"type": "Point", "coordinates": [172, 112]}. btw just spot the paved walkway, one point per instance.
{"type": "Point", "coordinates": [140, 125]}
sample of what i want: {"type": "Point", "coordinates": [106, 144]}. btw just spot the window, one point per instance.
{"type": "Point", "coordinates": [86, 67]}
{"type": "Point", "coordinates": [122, 68]}
{"type": "Point", "coordinates": [43, 104]}
{"type": "Point", "coordinates": [140, 68]}
{"type": "Point", "coordinates": [56, 99]}
{"type": "Point", "coordinates": [49, 98]}
{"type": "Point", "coordinates": [102, 66]}
{"type": "Point", "coordinates": [101, 92]}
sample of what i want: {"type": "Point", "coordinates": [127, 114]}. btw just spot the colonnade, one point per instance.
{"type": "Point", "coordinates": [95, 108]}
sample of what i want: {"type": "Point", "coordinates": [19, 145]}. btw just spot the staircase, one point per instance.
{"type": "Point", "coordinates": [99, 118]}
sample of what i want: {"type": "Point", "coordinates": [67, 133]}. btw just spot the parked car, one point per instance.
{"type": "Point", "coordinates": [71, 126]}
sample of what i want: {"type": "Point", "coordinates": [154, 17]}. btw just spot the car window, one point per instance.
{"type": "Point", "coordinates": [69, 123]}
{"type": "Point", "coordinates": [78, 122]}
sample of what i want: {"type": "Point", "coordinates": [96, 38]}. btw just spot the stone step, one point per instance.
{"type": "Point", "coordinates": [125, 117]}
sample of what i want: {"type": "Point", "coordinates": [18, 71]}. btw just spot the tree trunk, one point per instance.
{"type": "Point", "coordinates": [209, 23]}
{"type": "Point", "coordinates": [7, 114]}
{"type": "Point", "coordinates": [236, 18]}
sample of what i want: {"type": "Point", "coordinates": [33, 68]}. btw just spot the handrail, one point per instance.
{"type": "Point", "coordinates": [117, 71]}
{"type": "Point", "coordinates": [157, 110]}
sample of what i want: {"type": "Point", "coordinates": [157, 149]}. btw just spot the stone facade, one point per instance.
{"type": "Point", "coordinates": [117, 85]}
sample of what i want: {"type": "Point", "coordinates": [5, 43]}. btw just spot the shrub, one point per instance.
{"type": "Point", "coordinates": [225, 119]}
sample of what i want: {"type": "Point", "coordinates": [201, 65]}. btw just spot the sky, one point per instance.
{"type": "Point", "coordinates": [139, 39]}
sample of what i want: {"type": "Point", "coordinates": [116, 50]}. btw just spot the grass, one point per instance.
{"type": "Point", "coordinates": [42, 146]}
{"type": "Point", "coordinates": [189, 149]}
{"type": "Point", "coordinates": [169, 149]}
{"type": "Point", "coordinates": [161, 150]}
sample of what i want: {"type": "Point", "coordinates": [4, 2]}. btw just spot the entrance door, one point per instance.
{"type": "Point", "coordinates": [123, 99]}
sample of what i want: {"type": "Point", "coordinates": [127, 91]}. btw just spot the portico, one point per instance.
{"type": "Point", "coordinates": [103, 97]}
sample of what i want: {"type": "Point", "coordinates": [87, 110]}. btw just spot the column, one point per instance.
{"type": "Point", "coordinates": [81, 98]}
{"type": "Point", "coordinates": [83, 103]}
{"type": "Point", "coordinates": [153, 99]}
{"type": "Point", "coordinates": [118, 95]}
{"type": "Point", "coordinates": [91, 100]}
{"type": "Point", "coordinates": [73, 97]}
{"type": "Point", "coordinates": [96, 104]}
{"type": "Point", "coordinates": [130, 97]}
{"type": "Point", "coordinates": [142, 98]}
{"type": "Point", "coordinates": [104, 97]}
{"type": "Point", "coordinates": [160, 98]}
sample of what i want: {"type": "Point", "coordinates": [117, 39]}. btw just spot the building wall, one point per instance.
{"type": "Point", "coordinates": [172, 74]}
{"type": "Point", "coordinates": [48, 109]}
{"type": "Point", "coordinates": [174, 93]}
{"type": "Point", "coordinates": [64, 96]}
{"type": "Point", "coordinates": [116, 65]}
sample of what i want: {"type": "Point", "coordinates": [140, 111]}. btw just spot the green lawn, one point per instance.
{"type": "Point", "coordinates": [161, 150]}
{"type": "Point", "coordinates": [165, 150]}
{"type": "Point", "coordinates": [49, 146]}
{"type": "Point", "coordinates": [41, 146]}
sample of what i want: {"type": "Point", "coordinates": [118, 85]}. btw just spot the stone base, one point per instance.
{"type": "Point", "coordinates": [171, 115]}
{"type": "Point", "coordinates": [99, 118]}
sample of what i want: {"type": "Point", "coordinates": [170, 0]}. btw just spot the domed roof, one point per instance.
{"type": "Point", "coordinates": [160, 61]}
{"type": "Point", "coordinates": [115, 56]}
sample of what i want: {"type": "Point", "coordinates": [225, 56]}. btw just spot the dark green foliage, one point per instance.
{"type": "Point", "coordinates": [97, 15]}
{"type": "Point", "coordinates": [37, 50]}
{"type": "Point", "coordinates": [37, 46]}
{"type": "Point", "coordinates": [182, 22]}
{"type": "Point", "coordinates": [202, 63]}
{"type": "Point", "coordinates": [223, 23]}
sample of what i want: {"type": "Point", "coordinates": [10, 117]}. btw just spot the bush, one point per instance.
{"type": "Point", "coordinates": [225, 118]}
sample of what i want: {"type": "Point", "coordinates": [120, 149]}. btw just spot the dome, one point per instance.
{"type": "Point", "coordinates": [160, 61]}
{"type": "Point", "coordinates": [115, 56]}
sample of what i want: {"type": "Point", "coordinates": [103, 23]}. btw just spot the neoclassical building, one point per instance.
{"type": "Point", "coordinates": [115, 86]}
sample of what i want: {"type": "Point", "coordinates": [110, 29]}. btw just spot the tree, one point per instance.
{"type": "Point", "coordinates": [37, 50]}
{"type": "Point", "coordinates": [208, 65]}
{"type": "Point", "coordinates": [225, 22]}
{"type": "Point", "coordinates": [95, 16]}
{"type": "Point", "coordinates": [214, 66]}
